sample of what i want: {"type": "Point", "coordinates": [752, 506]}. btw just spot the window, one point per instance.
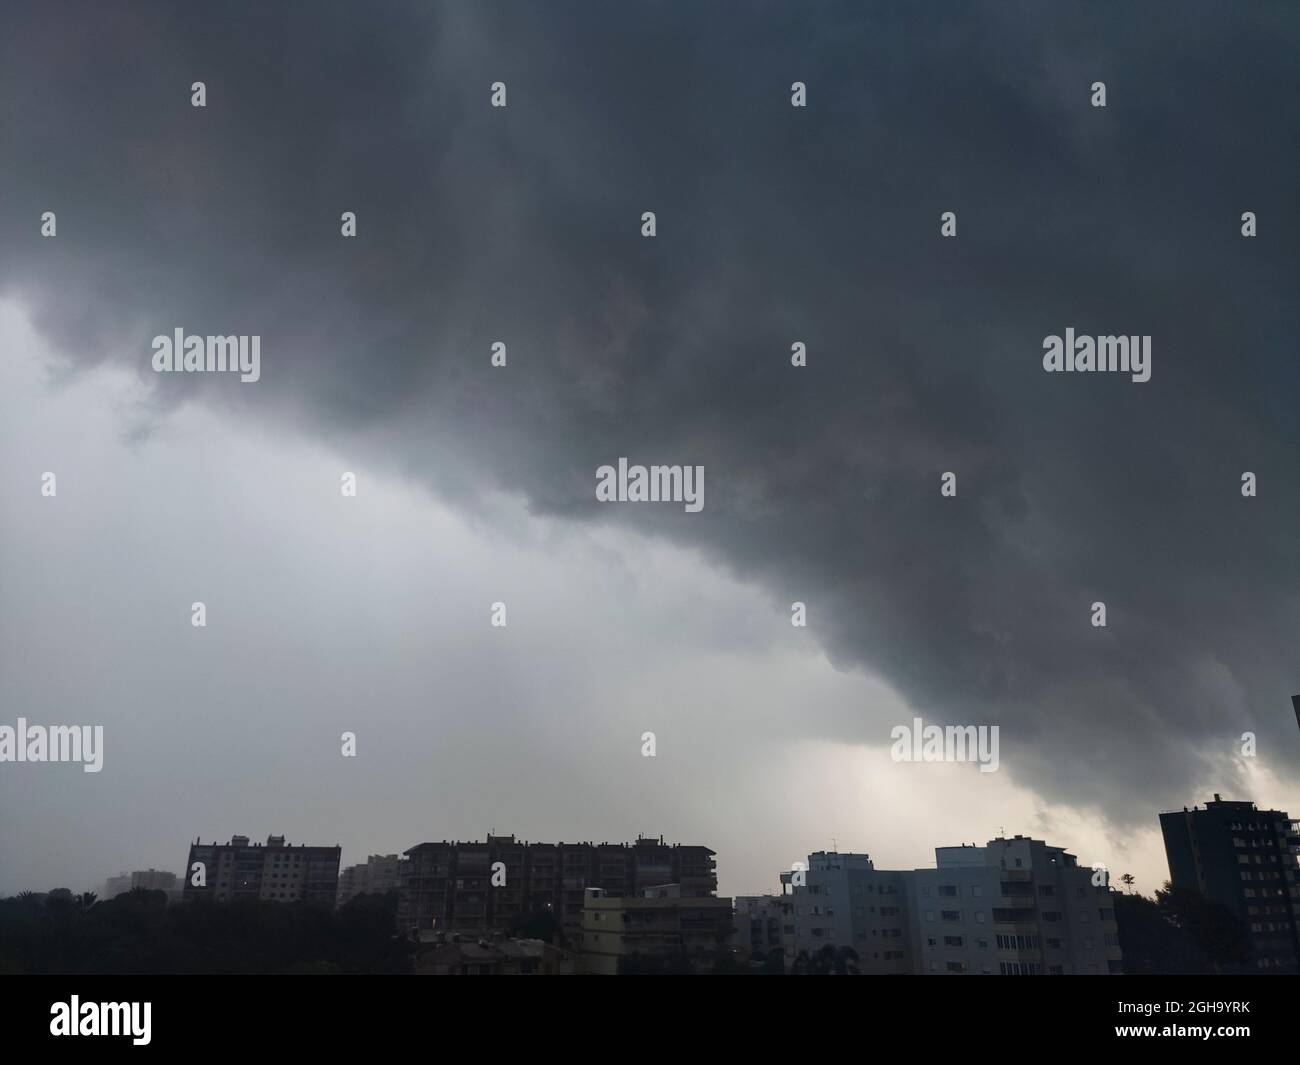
{"type": "Point", "coordinates": [952, 915]}
{"type": "Point", "coordinates": [952, 941]}
{"type": "Point", "coordinates": [1017, 942]}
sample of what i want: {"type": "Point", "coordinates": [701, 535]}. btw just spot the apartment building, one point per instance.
{"type": "Point", "coordinates": [759, 923]}
{"type": "Point", "coordinates": [660, 923]}
{"type": "Point", "coordinates": [843, 900]}
{"type": "Point", "coordinates": [1012, 907]}
{"type": "Point", "coordinates": [148, 879]}
{"type": "Point", "coordinates": [1246, 859]}
{"type": "Point", "coordinates": [274, 871]}
{"type": "Point", "coordinates": [380, 874]}
{"type": "Point", "coordinates": [479, 889]}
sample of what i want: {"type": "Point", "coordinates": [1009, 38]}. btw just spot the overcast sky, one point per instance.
{"type": "Point", "coordinates": [476, 484]}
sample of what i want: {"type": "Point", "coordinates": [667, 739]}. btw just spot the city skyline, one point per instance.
{"type": "Point", "coordinates": [726, 886]}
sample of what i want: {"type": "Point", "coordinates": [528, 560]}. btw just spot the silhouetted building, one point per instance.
{"type": "Point", "coordinates": [449, 886]}
{"type": "Point", "coordinates": [380, 874]}
{"type": "Point", "coordinates": [148, 879]}
{"type": "Point", "coordinates": [276, 871]}
{"type": "Point", "coordinates": [1014, 907]}
{"type": "Point", "coordinates": [115, 886]}
{"type": "Point", "coordinates": [1244, 858]}
{"type": "Point", "coordinates": [658, 925]}
{"type": "Point", "coordinates": [759, 921]}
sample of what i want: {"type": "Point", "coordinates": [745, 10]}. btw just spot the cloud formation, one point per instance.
{"type": "Point", "coordinates": [776, 224]}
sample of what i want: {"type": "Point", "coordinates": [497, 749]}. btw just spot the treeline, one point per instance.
{"type": "Point", "coordinates": [1180, 932]}
{"type": "Point", "coordinates": [139, 933]}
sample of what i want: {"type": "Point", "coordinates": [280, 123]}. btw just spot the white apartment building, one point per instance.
{"type": "Point", "coordinates": [1012, 907]}
{"type": "Point", "coordinates": [845, 901]}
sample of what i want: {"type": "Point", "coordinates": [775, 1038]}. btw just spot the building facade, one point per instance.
{"type": "Point", "coordinates": [658, 924]}
{"type": "Point", "coordinates": [274, 871]}
{"type": "Point", "coordinates": [1246, 859]}
{"type": "Point", "coordinates": [1012, 907]}
{"type": "Point", "coordinates": [148, 879]}
{"type": "Point", "coordinates": [760, 922]}
{"type": "Point", "coordinates": [843, 900]}
{"type": "Point", "coordinates": [480, 889]}
{"type": "Point", "coordinates": [380, 874]}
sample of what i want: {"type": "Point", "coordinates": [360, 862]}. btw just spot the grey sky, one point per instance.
{"type": "Point", "coordinates": [522, 225]}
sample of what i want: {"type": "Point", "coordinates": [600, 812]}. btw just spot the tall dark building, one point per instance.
{"type": "Point", "coordinates": [277, 871]}
{"type": "Point", "coordinates": [1244, 858]}
{"type": "Point", "coordinates": [448, 886]}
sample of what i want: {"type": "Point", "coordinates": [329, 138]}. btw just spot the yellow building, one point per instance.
{"type": "Point", "coordinates": [659, 930]}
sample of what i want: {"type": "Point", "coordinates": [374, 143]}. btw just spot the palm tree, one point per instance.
{"type": "Point", "coordinates": [1128, 879]}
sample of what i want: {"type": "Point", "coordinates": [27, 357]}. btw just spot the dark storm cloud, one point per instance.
{"type": "Point", "coordinates": [775, 225]}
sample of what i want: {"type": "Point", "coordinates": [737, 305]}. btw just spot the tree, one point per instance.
{"type": "Point", "coordinates": [1215, 929]}
{"type": "Point", "coordinates": [1179, 932]}
{"type": "Point", "coordinates": [1152, 944]}
{"type": "Point", "coordinates": [835, 961]}
{"type": "Point", "coordinates": [537, 924]}
{"type": "Point", "coordinates": [1128, 880]}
